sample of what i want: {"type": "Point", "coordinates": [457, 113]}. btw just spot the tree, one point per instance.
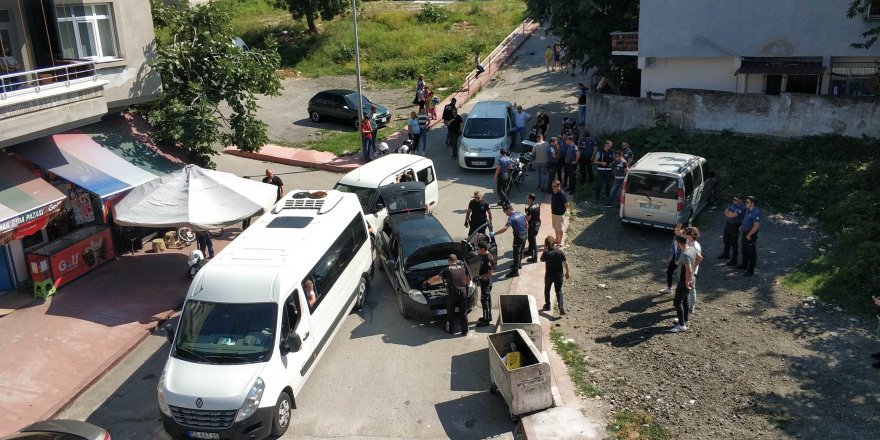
{"type": "Point", "coordinates": [312, 9]}
{"type": "Point", "coordinates": [209, 83]}
{"type": "Point", "coordinates": [857, 8]}
{"type": "Point", "coordinates": [584, 29]}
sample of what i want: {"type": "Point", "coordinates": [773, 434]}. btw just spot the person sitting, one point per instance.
{"type": "Point", "coordinates": [311, 295]}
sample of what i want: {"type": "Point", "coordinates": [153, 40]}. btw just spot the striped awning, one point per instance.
{"type": "Point", "coordinates": [24, 196]}
{"type": "Point", "coordinates": [79, 159]}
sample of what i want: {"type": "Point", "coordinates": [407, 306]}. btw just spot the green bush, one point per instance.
{"type": "Point", "coordinates": [432, 13]}
{"type": "Point", "coordinates": [832, 178]}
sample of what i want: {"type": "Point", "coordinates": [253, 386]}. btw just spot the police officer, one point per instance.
{"type": "Point", "coordinates": [502, 177]}
{"type": "Point", "coordinates": [733, 218]}
{"type": "Point", "coordinates": [603, 161]}
{"type": "Point", "coordinates": [533, 219]}
{"type": "Point", "coordinates": [561, 154]}
{"type": "Point", "coordinates": [572, 157]}
{"type": "Point", "coordinates": [749, 231]}
{"type": "Point", "coordinates": [517, 222]}
{"type": "Point", "coordinates": [457, 281]}
{"type": "Point", "coordinates": [586, 147]}
{"type": "Point", "coordinates": [477, 215]}
{"type": "Point", "coordinates": [484, 279]}
{"type": "Point", "coordinates": [619, 168]}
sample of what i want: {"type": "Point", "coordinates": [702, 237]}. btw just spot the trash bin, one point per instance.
{"type": "Point", "coordinates": [521, 311]}
{"type": "Point", "coordinates": [526, 388]}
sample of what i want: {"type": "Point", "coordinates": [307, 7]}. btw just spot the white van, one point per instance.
{"type": "Point", "coordinates": [248, 337]}
{"type": "Point", "coordinates": [663, 189]}
{"type": "Point", "coordinates": [366, 180]}
{"type": "Point", "coordinates": [486, 131]}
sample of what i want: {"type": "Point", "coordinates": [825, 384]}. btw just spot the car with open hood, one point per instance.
{"type": "Point", "coordinates": [414, 246]}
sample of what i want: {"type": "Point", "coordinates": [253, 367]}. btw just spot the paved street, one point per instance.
{"type": "Point", "coordinates": [383, 376]}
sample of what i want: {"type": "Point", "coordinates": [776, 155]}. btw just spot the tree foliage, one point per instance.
{"type": "Point", "coordinates": [584, 28]}
{"type": "Point", "coordinates": [312, 9]}
{"type": "Point", "coordinates": [209, 83]}
{"type": "Point", "coordinates": [855, 9]}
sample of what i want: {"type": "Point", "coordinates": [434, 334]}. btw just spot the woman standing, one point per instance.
{"type": "Point", "coordinates": [412, 125]}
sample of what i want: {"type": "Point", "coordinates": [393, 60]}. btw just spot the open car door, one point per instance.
{"type": "Point", "coordinates": [470, 249]}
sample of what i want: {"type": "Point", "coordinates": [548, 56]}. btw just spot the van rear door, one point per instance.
{"type": "Point", "coordinates": [651, 198]}
{"type": "Point", "coordinates": [428, 176]}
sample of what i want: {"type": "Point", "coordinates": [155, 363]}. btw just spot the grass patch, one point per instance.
{"type": "Point", "coordinates": [632, 425]}
{"type": "Point", "coordinates": [796, 176]}
{"type": "Point", "coordinates": [395, 47]}
{"type": "Point", "coordinates": [578, 370]}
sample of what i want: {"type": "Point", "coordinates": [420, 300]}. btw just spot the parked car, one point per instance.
{"type": "Point", "coordinates": [341, 104]}
{"type": "Point", "coordinates": [60, 430]}
{"type": "Point", "coordinates": [486, 131]}
{"type": "Point", "coordinates": [414, 246]}
{"type": "Point", "coordinates": [663, 189]}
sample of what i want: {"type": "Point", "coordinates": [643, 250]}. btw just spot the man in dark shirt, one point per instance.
{"type": "Point", "coordinates": [554, 263]}
{"type": "Point", "coordinates": [558, 208]}
{"type": "Point", "coordinates": [502, 176]}
{"type": "Point", "coordinates": [572, 157]}
{"type": "Point", "coordinates": [457, 281]}
{"type": "Point", "coordinates": [543, 122]}
{"type": "Point", "coordinates": [449, 110]}
{"type": "Point", "coordinates": [453, 131]}
{"type": "Point", "coordinates": [517, 222]}
{"type": "Point", "coordinates": [272, 179]}
{"type": "Point", "coordinates": [478, 214]}
{"type": "Point", "coordinates": [487, 269]}
{"type": "Point", "coordinates": [733, 215]}
{"type": "Point", "coordinates": [533, 218]}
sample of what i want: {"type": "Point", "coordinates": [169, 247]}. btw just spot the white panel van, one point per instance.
{"type": "Point", "coordinates": [663, 189]}
{"type": "Point", "coordinates": [486, 132]}
{"type": "Point", "coordinates": [259, 316]}
{"type": "Point", "coordinates": [366, 180]}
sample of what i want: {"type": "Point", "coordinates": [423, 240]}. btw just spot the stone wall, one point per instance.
{"type": "Point", "coordinates": [786, 115]}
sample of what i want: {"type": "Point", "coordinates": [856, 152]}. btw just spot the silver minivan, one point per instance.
{"type": "Point", "coordinates": [663, 189]}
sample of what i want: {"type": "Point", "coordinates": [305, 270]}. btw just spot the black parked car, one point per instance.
{"type": "Point", "coordinates": [59, 429]}
{"type": "Point", "coordinates": [342, 104]}
{"type": "Point", "coordinates": [414, 246]}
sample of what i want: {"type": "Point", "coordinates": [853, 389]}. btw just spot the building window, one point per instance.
{"type": "Point", "coordinates": [802, 84]}
{"type": "Point", "coordinates": [772, 84]}
{"type": "Point", "coordinates": [855, 78]}
{"type": "Point", "coordinates": [87, 32]}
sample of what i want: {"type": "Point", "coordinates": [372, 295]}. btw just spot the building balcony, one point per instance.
{"type": "Point", "coordinates": [37, 102]}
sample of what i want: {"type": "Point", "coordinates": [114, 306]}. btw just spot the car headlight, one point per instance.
{"type": "Point", "coordinates": [252, 401]}
{"type": "Point", "coordinates": [498, 146]}
{"type": "Point", "coordinates": [161, 397]}
{"type": "Point", "coordinates": [463, 146]}
{"type": "Point", "coordinates": [417, 296]}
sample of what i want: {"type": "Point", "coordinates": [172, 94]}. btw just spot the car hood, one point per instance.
{"type": "Point", "coordinates": [221, 387]}
{"type": "Point", "coordinates": [434, 252]}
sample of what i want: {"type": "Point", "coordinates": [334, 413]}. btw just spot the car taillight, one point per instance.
{"type": "Point", "coordinates": [623, 192]}
{"type": "Point", "coordinates": [680, 206]}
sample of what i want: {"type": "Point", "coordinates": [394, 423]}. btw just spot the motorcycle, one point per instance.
{"type": "Point", "coordinates": [518, 171]}
{"type": "Point", "coordinates": [381, 150]}
{"type": "Point", "coordinates": [196, 262]}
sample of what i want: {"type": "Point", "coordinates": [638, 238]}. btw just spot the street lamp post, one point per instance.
{"type": "Point", "coordinates": [357, 63]}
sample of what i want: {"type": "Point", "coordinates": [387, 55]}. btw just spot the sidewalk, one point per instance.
{"type": "Point", "coordinates": [54, 349]}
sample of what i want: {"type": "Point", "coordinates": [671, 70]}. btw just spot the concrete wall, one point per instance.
{"type": "Point", "coordinates": [786, 115]}
{"type": "Point", "coordinates": [750, 28]}
{"type": "Point", "coordinates": [697, 73]}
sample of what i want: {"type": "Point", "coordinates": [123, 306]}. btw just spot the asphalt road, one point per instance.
{"type": "Point", "coordinates": [383, 376]}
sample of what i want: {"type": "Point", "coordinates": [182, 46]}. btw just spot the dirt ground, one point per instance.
{"type": "Point", "coordinates": [757, 361]}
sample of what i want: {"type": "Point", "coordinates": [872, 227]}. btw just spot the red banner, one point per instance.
{"type": "Point", "coordinates": [31, 227]}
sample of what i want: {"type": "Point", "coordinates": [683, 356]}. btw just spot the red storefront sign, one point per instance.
{"type": "Point", "coordinates": [72, 256]}
{"type": "Point", "coordinates": [30, 228]}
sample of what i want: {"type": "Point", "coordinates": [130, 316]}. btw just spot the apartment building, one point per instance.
{"type": "Point", "coordinates": [66, 64]}
{"type": "Point", "coordinates": [753, 46]}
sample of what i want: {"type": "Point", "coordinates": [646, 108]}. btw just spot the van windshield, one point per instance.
{"type": "Point", "coordinates": [484, 128]}
{"type": "Point", "coordinates": [652, 185]}
{"type": "Point", "coordinates": [223, 333]}
{"type": "Point", "coordinates": [364, 195]}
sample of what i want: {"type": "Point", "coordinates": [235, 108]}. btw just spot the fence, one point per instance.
{"type": "Point", "coordinates": [31, 82]}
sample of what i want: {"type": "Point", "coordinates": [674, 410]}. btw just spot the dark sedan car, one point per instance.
{"type": "Point", "coordinates": [414, 246]}
{"type": "Point", "coordinates": [60, 430]}
{"type": "Point", "coordinates": [341, 104]}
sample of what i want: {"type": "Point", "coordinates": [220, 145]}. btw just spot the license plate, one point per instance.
{"type": "Point", "coordinates": [382, 120]}
{"type": "Point", "coordinates": [439, 312]}
{"type": "Point", "coordinates": [650, 206]}
{"type": "Point", "coordinates": [479, 163]}
{"type": "Point", "coordinates": [196, 434]}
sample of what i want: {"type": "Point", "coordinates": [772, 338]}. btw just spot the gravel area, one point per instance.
{"type": "Point", "coordinates": [757, 361]}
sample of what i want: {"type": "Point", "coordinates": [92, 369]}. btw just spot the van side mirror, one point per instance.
{"type": "Point", "coordinates": [291, 344]}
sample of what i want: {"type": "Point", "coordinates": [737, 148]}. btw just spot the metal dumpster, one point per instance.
{"type": "Point", "coordinates": [521, 311]}
{"type": "Point", "coordinates": [527, 388]}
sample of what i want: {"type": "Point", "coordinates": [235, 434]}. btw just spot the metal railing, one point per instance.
{"type": "Point", "coordinates": [31, 82]}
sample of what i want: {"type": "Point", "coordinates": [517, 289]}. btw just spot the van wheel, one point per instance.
{"type": "Point", "coordinates": [315, 116]}
{"type": "Point", "coordinates": [362, 294]}
{"type": "Point", "coordinates": [281, 420]}
{"type": "Point", "coordinates": [401, 307]}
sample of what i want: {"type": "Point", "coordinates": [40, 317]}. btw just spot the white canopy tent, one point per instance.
{"type": "Point", "coordinates": [196, 197]}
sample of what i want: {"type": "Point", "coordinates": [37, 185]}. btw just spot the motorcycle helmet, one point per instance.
{"type": "Point", "coordinates": [383, 147]}
{"type": "Point", "coordinates": [194, 257]}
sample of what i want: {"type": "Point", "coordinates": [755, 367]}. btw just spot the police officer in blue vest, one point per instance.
{"type": "Point", "coordinates": [749, 231]}
{"type": "Point", "coordinates": [502, 177]}
{"type": "Point", "coordinates": [733, 218]}
{"type": "Point", "coordinates": [603, 160]}
{"type": "Point", "coordinates": [517, 222]}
